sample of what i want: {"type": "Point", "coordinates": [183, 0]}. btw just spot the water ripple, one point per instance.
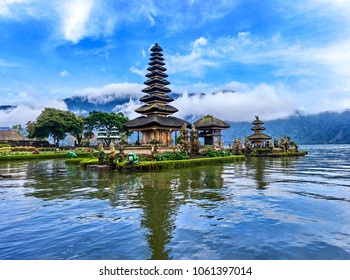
{"type": "Point", "coordinates": [295, 208]}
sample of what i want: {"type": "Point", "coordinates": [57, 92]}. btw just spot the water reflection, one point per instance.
{"type": "Point", "coordinates": [254, 209]}
{"type": "Point", "coordinates": [259, 166]}
{"type": "Point", "coordinates": [263, 169]}
{"type": "Point", "coordinates": [158, 194]}
{"type": "Point", "coordinates": [162, 193]}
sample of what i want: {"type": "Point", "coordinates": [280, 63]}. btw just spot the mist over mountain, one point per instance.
{"type": "Point", "coordinates": [321, 128]}
{"type": "Point", "coordinates": [82, 105]}
{"type": "Point", "coordinates": [108, 103]}
{"type": "Point", "coordinates": [6, 107]}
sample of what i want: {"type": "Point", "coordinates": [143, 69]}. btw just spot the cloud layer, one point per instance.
{"type": "Point", "coordinates": [28, 112]}
{"type": "Point", "coordinates": [110, 92]}
{"type": "Point", "coordinates": [278, 57]}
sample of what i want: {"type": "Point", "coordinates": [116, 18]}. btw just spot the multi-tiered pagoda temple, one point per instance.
{"type": "Point", "coordinates": [258, 139]}
{"type": "Point", "coordinates": [156, 122]}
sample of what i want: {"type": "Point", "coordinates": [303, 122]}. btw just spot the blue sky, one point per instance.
{"type": "Point", "coordinates": [278, 56]}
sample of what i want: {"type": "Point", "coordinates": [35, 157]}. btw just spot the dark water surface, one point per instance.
{"type": "Point", "coordinates": [259, 209]}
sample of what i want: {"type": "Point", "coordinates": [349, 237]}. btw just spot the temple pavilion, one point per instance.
{"type": "Point", "coordinates": [258, 139]}
{"type": "Point", "coordinates": [210, 129]}
{"type": "Point", "coordinates": [156, 122]}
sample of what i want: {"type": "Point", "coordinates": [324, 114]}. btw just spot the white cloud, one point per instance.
{"type": "Point", "coordinates": [78, 19]}
{"type": "Point", "coordinates": [75, 19]}
{"type": "Point", "coordinates": [244, 37]}
{"type": "Point", "coordinates": [6, 6]}
{"type": "Point", "coordinates": [110, 92]}
{"type": "Point", "coordinates": [182, 14]}
{"type": "Point", "coordinates": [316, 70]}
{"type": "Point", "coordinates": [139, 72]}
{"type": "Point", "coordinates": [64, 73]}
{"type": "Point", "coordinates": [194, 63]}
{"type": "Point", "coordinates": [323, 7]}
{"type": "Point", "coordinates": [128, 109]}
{"type": "Point", "coordinates": [268, 101]}
{"type": "Point", "coordinates": [200, 42]}
{"type": "Point", "coordinates": [26, 111]}
{"type": "Point", "coordinates": [5, 63]}
{"type": "Point", "coordinates": [75, 15]}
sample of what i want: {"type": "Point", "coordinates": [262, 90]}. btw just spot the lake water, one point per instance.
{"type": "Point", "coordinates": [297, 208]}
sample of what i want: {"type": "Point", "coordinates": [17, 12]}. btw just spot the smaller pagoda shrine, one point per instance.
{"type": "Point", "coordinates": [258, 139]}
{"type": "Point", "coordinates": [210, 128]}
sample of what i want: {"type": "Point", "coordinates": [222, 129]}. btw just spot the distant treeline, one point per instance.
{"type": "Point", "coordinates": [322, 128]}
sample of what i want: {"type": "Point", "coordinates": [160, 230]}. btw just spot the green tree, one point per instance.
{"type": "Point", "coordinates": [97, 119]}
{"type": "Point", "coordinates": [17, 127]}
{"type": "Point", "coordinates": [77, 129]}
{"type": "Point", "coordinates": [55, 123]}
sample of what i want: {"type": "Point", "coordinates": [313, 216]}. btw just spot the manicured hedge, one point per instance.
{"type": "Point", "coordinates": [90, 161]}
{"type": "Point", "coordinates": [73, 161]}
{"type": "Point", "coordinates": [172, 164]}
{"type": "Point", "coordinates": [39, 156]}
{"type": "Point", "coordinates": [283, 154]}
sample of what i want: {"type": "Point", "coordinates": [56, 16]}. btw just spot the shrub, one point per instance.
{"type": "Point", "coordinates": [29, 155]}
{"type": "Point", "coordinates": [171, 156]}
{"type": "Point", "coordinates": [218, 153]}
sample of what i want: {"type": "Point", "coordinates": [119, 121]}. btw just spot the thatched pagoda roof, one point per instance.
{"type": "Point", "coordinates": [156, 97]}
{"type": "Point", "coordinates": [156, 108]}
{"type": "Point", "coordinates": [156, 74]}
{"type": "Point", "coordinates": [11, 135]}
{"type": "Point", "coordinates": [156, 62]}
{"type": "Point", "coordinates": [259, 136]}
{"type": "Point", "coordinates": [210, 122]}
{"type": "Point", "coordinates": [156, 48]}
{"type": "Point", "coordinates": [155, 89]}
{"type": "Point", "coordinates": [257, 128]}
{"type": "Point", "coordinates": [156, 68]}
{"type": "Point", "coordinates": [156, 81]}
{"type": "Point", "coordinates": [155, 120]}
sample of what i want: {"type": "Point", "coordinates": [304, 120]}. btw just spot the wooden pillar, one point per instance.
{"type": "Point", "coordinates": [144, 137]}
{"type": "Point", "coordinates": [169, 137]}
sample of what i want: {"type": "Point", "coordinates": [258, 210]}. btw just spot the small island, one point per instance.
{"type": "Point", "coordinates": [259, 144]}
{"type": "Point", "coordinates": [166, 142]}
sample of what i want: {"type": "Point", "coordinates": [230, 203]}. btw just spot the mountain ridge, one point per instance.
{"type": "Point", "coordinates": [322, 128]}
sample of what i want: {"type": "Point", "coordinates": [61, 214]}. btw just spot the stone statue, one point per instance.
{"type": "Point", "coordinates": [194, 142]}
{"type": "Point", "coordinates": [248, 146]}
{"type": "Point", "coordinates": [239, 146]}
{"type": "Point", "coordinates": [183, 141]}
{"type": "Point", "coordinates": [112, 153]}
{"type": "Point", "coordinates": [234, 146]}
{"type": "Point", "coordinates": [101, 153]}
{"type": "Point", "coordinates": [269, 145]}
